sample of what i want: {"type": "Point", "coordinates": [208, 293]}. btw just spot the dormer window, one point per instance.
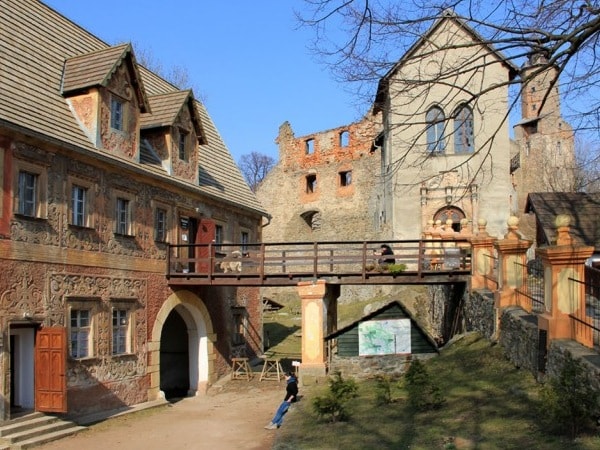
{"type": "Point", "coordinates": [182, 144]}
{"type": "Point", "coordinates": [116, 113]}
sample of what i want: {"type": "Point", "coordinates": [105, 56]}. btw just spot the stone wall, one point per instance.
{"type": "Point", "coordinates": [363, 367]}
{"type": "Point", "coordinates": [479, 313]}
{"type": "Point", "coordinates": [519, 338]}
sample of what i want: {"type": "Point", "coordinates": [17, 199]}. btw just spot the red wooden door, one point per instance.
{"type": "Point", "coordinates": [50, 369]}
{"type": "Point", "coordinates": [205, 235]}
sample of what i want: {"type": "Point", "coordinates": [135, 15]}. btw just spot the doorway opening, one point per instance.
{"type": "Point", "coordinates": [174, 357]}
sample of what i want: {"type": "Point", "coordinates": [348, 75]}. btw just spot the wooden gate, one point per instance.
{"type": "Point", "coordinates": [50, 368]}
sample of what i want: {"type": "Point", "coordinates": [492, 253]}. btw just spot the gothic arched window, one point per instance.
{"type": "Point", "coordinates": [435, 130]}
{"type": "Point", "coordinates": [463, 130]}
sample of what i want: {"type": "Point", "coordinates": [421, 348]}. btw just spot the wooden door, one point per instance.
{"type": "Point", "coordinates": [50, 370]}
{"type": "Point", "coordinates": [205, 235]}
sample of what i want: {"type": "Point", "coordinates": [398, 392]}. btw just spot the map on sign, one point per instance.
{"type": "Point", "coordinates": [384, 337]}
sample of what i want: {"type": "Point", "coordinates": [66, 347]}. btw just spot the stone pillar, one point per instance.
{"type": "Point", "coordinates": [319, 318]}
{"type": "Point", "coordinates": [561, 295]}
{"type": "Point", "coordinates": [482, 262]}
{"type": "Point", "coordinates": [512, 265]}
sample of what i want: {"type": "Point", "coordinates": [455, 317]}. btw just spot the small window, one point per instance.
{"type": "Point", "coordinates": [123, 216]}
{"type": "Point", "coordinates": [80, 329]}
{"type": "Point", "coordinates": [116, 114]}
{"type": "Point", "coordinates": [435, 121]}
{"type": "Point", "coordinates": [344, 138]}
{"type": "Point", "coordinates": [28, 195]}
{"type": "Point", "coordinates": [312, 219]}
{"type": "Point", "coordinates": [310, 146]}
{"type": "Point", "coordinates": [78, 206]}
{"type": "Point", "coordinates": [244, 241]}
{"type": "Point", "coordinates": [311, 184]}
{"type": "Point", "coordinates": [238, 336]}
{"type": "Point", "coordinates": [160, 225]}
{"type": "Point", "coordinates": [120, 331]}
{"type": "Point", "coordinates": [346, 178]}
{"type": "Point", "coordinates": [218, 236]}
{"type": "Point", "coordinates": [182, 145]}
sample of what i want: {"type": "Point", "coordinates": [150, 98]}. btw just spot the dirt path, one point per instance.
{"type": "Point", "coordinates": [230, 418]}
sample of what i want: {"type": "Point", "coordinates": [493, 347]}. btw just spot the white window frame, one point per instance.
{"type": "Point", "coordinates": [91, 306]}
{"type": "Point", "coordinates": [118, 198]}
{"type": "Point", "coordinates": [40, 175]}
{"type": "Point", "coordinates": [122, 331]}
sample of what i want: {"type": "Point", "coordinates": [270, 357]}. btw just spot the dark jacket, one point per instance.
{"type": "Point", "coordinates": [291, 390]}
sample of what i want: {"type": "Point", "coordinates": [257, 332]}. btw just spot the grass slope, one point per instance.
{"type": "Point", "coordinates": [489, 405]}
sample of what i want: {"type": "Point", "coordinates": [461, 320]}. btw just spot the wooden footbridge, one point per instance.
{"type": "Point", "coordinates": [343, 262]}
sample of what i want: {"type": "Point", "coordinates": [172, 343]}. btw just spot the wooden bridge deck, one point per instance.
{"type": "Point", "coordinates": [344, 262]}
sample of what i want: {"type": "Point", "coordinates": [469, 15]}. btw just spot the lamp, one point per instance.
{"type": "Point", "coordinates": [448, 194]}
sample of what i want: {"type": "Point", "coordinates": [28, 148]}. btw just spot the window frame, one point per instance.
{"type": "Point", "coordinates": [435, 130]}
{"type": "Point", "coordinates": [219, 234]}
{"type": "Point", "coordinates": [91, 305]}
{"type": "Point", "coordinates": [40, 174]}
{"type": "Point", "coordinates": [87, 186]}
{"type": "Point", "coordinates": [117, 113]}
{"type": "Point", "coordinates": [122, 331]}
{"type": "Point", "coordinates": [119, 195]}
{"type": "Point", "coordinates": [239, 318]}
{"type": "Point", "coordinates": [182, 145]}
{"type": "Point", "coordinates": [244, 240]}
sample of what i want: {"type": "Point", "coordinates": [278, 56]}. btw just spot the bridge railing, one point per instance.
{"type": "Point", "coordinates": [316, 259]}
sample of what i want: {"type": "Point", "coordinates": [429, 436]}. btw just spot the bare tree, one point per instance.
{"type": "Point", "coordinates": [363, 40]}
{"type": "Point", "coordinates": [587, 170]}
{"type": "Point", "coordinates": [255, 167]}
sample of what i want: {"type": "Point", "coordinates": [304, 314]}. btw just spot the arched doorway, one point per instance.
{"type": "Point", "coordinates": [450, 212]}
{"type": "Point", "coordinates": [174, 359]}
{"type": "Point", "coordinates": [188, 333]}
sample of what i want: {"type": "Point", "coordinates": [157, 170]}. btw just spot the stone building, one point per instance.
{"type": "Point", "coordinates": [426, 151]}
{"type": "Point", "coordinates": [104, 165]}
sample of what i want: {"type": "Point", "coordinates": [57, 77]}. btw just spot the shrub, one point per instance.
{"type": "Point", "coordinates": [569, 402]}
{"type": "Point", "coordinates": [383, 389]}
{"type": "Point", "coordinates": [333, 404]}
{"type": "Point", "coordinates": [423, 391]}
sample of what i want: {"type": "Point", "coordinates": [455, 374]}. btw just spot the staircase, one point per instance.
{"type": "Point", "coordinates": [33, 430]}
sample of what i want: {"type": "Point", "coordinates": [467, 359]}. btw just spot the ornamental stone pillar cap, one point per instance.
{"type": "Point", "coordinates": [562, 224]}
{"type": "Point", "coordinates": [513, 226]}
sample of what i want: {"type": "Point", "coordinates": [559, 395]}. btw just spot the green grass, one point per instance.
{"type": "Point", "coordinates": [489, 405]}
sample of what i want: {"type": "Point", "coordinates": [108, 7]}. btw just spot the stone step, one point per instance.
{"type": "Point", "coordinates": [34, 430]}
{"type": "Point", "coordinates": [47, 437]}
{"type": "Point", "coordinates": [25, 423]}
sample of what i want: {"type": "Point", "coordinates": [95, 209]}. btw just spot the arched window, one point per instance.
{"type": "Point", "coordinates": [463, 130]}
{"type": "Point", "coordinates": [435, 130]}
{"type": "Point", "coordinates": [450, 212]}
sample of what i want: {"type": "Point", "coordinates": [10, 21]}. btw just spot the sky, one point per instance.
{"type": "Point", "coordinates": [248, 61]}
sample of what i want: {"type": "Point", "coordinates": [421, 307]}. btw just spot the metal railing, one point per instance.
{"type": "Point", "coordinates": [588, 318]}
{"type": "Point", "coordinates": [530, 295]}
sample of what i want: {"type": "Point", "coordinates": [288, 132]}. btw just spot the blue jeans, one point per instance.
{"type": "Point", "coordinates": [278, 418]}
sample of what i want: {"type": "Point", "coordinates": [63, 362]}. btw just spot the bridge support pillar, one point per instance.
{"type": "Point", "coordinates": [482, 255]}
{"type": "Point", "coordinates": [319, 318]}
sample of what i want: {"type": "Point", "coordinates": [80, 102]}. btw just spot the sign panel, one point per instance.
{"type": "Point", "coordinates": [384, 337]}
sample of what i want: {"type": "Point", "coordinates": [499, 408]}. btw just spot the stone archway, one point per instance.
{"type": "Point", "coordinates": [201, 338]}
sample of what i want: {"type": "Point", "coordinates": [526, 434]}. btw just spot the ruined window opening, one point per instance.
{"type": "Point", "coordinates": [238, 336]}
{"type": "Point", "coordinates": [463, 130]}
{"type": "Point", "coordinates": [310, 146]}
{"type": "Point", "coordinates": [312, 219]}
{"type": "Point", "coordinates": [346, 178]}
{"type": "Point", "coordinates": [344, 138]}
{"type": "Point", "coordinates": [311, 184]}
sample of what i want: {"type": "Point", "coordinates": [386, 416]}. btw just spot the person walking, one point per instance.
{"type": "Point", "coordinates": [291, 392]}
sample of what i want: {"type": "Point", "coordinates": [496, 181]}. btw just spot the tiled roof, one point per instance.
{"type": "Point", "coordinates": [35, 44]}
{"type": "Point", "coordinates": [165, 109]}
{"type": "Point", "coordinates": [583, 208]}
